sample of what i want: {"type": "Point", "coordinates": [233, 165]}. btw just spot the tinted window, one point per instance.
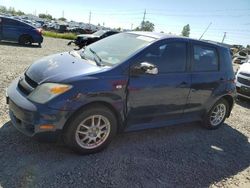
{"type": "Point", "coordinates": [10, 22]}
{"type": "Point", "coordinates": [242, 53]}
{"type": "Point", "coordinates": [168, 57]}
{"type": "Point", "coordinates": [205, 59]}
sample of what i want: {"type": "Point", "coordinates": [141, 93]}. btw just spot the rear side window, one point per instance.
{"type": "Point", "coordinates": [168, 57]}
{"type": "Point", "coordinates": [10, 22]}
{"type": "Point", "coordinates": [205, 59]}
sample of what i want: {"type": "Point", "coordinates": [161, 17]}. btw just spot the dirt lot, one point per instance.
{"type": "Point", "coordinates": [178, 156]}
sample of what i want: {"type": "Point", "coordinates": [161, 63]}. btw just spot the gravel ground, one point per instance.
{"type": "Point", "coordinates": [178, 156]}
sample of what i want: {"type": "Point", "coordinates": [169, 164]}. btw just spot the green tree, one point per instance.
{"type": "Point", "coordinates": [62, 19]}
{"type": "Point", "coordinates": [10, 10]}
{"type": "Point", "coordinates": [45, 16]}
{"type": "Point", "coordinates": [19, 13]}
{"type": "Point", "coordinates": [248, 46]}
{"type": "Point", "coordinates": [146, 26]}
{"type": "Point", "coordinates": [186, 31]}
{"type": "Point", "coordinates": [3, 9]}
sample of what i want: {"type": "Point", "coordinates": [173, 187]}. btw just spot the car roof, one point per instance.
{"type": "Point", "coordinates": [7, 17]}
{"type": "Point", "coordinates": [160, 36]}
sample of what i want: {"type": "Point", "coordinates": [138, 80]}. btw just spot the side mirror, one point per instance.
{"type": "Point", "coordinates": [144, 68]}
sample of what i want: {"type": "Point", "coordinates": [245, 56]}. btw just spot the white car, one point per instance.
{"type": "Point", "coordinates": [243, 80]}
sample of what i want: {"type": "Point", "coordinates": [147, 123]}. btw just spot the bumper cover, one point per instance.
{"type": "Point", "coordinates": [27, 116]}
{"type": "Point", "coordinates": [243, 90]}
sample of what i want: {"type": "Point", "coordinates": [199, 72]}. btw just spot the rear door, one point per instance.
{"type": "Point", "coordinates": [207, 79]}
{"type": "Point", "coordinates": [163, 96]}
{"type": "Point", "coordinates": [1, 28]}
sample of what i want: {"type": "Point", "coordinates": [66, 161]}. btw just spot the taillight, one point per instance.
{"type": "Point", "coordinates": [39, 30]}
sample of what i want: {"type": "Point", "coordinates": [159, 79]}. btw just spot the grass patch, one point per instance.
{"type": "Point", "coordinates": [70, 36]}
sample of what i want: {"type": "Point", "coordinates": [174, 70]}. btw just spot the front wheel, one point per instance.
{"type": "Point", "coordinates": [91, 130]}
{"type": "Point", "coordinates": [217, 115]}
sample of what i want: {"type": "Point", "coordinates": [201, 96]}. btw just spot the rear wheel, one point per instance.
{"type": "Point", "coordinates": [217, 115]}
{"type": "Point", "coordinates": [25, 40]}
{"type": "Point", "coordinates": [91, 130]}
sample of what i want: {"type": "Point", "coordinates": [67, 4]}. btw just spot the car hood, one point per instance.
{"type": "Point", "coordinates": [245, 68]}
{"type": "Point", "coordinates": [60, 67]}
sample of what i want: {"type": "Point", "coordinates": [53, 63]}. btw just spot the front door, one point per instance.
{"type": "Point", "coordinates": [154, 98]}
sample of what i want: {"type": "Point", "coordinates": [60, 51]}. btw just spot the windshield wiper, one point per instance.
{"type": "Point", "coordinates": [99, 62]}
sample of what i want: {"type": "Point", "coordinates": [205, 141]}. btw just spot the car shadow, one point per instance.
{"type": "Point", "coordinates": [5, 43]}
{"type": "Point", "coordinates": [177, 156]}
{"type": "Point", "coordinates": [243, 102]}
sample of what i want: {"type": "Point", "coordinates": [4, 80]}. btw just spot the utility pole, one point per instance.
{"type": "Point", "coordinates": [132, 26]}
{"type": "Point", "coordinates": [224, 36]}
{"type": "Point", "coordinates": [63, 14]}
{"type": "Point", "coordinates": [89, 17]}
{"type": "Point", "coordinates": [143, 19]}
{"type": "Point", "coordinates": [205, 30]}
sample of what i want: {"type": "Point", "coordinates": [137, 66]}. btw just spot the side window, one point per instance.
{"type": "Point", "coordinates": [205, 59]}
{"type": "Point", "coordinates": [10, 22]}
{"type": "Point", "coordinates": [168, 57]}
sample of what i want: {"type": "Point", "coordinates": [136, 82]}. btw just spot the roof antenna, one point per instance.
{"type": "Point", "coordinates": [205, 30]}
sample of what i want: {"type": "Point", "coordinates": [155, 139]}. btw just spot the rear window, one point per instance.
{"type": "Point", "coordinates": [205, 59]}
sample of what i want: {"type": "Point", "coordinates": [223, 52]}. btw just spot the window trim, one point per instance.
{"type": "Point", "coordinates": [206, 46]}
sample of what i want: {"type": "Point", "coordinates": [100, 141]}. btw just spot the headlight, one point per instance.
{"type": "Point", "coordinates": [47, 91]}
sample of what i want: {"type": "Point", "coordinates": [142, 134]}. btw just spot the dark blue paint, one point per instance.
{"type": "Point", "coordinates": [17, 28]}
{"type": "Point", "coordinates": [143, 101]}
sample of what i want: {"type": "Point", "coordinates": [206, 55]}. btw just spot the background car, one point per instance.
{"type": "Point", "coordinates": [86, 39]}
{"type": "Point", "coordinates": [243, 80]}
{"type": "Point", "coordinates": [18, 31]}
{"type": "Point", "coordinates": [241, 57]}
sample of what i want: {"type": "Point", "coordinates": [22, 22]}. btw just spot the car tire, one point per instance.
{"type": "Point", "coordinates": [217, 115]}
{"type": "Point", "coordinates": [90, 130]}
{"type": "Point", "coordinates": [25, 40]}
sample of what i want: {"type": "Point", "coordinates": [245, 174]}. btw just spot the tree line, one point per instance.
{"type": "Point", "coordinates": [11, 10]}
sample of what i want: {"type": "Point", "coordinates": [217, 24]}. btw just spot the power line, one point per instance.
{"type": "Point", "coordinates": [198, 15]}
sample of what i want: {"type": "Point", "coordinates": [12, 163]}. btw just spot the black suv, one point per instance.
{"type": "Point", "coordinates": [86, 39]}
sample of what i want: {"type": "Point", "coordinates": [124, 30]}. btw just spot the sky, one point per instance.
{"type": "Point", "coordinates": [230, 16]}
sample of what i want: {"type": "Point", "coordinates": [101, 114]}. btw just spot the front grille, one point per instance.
{"type": "Point", "coordinates": [22, 89]}
{"type": "Point", "coordinates": [243, 91]}
{"type": "Point", "coordinates": [245, 74]}
{"type": "Point", "coordinates": [26, 85]}
{"type": "Point", "coordinates": [31, 82]}
{"type": "Point", "coordinates": [243, 81]}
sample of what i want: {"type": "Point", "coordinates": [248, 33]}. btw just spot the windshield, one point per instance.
{"type": "Point", "coordinates": [116, 48]}
{"type": "Point", "coordinates": [99, 33]}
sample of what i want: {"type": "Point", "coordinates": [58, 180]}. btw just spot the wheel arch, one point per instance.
{"type": "Point", "coordinates": [228, 98]}
{"type": "Point", "coordinates": [25, 34]}
{"type": "Point", "coordinates": [230, 101]}
{"type": "Point", "coordinates": [118, 115]}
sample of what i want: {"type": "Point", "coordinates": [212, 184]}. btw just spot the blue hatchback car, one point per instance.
{"type": "Point", "coordinates": [125, 82]}
{"type": "Point", "coordinates": [18, 31]}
